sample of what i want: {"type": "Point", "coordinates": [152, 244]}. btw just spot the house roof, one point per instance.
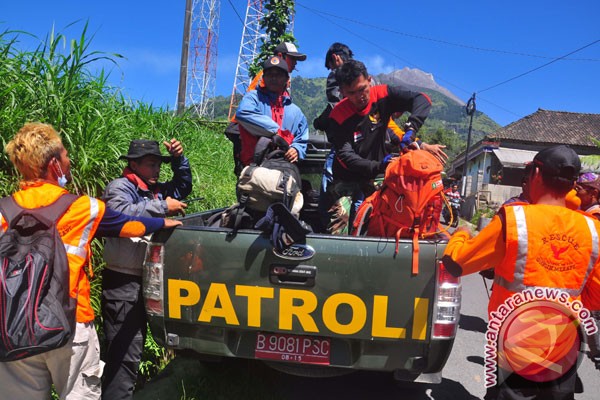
{"type": "Point", "coordinates": [514, 158]}
{"type": "Point", "coordinates": [546, 126]}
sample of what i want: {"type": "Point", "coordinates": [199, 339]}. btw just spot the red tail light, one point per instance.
{"type": "Point", "coordinates": [447, 304]}
{"type": "Point", "coordinates": [153, 279]}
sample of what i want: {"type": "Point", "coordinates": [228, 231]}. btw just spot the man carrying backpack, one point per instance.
{"type": "Point", "coordinates": [285, 51]}
{"type": "Point", "coordinates": [74, 368]}
{"type": "Point", "coordinates": [358, 130]}
{"type": "Point", "coordinates": [137, 192]}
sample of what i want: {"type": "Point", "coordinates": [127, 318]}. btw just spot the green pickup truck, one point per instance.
{"type": "Point", "coordinates": [329, 306]}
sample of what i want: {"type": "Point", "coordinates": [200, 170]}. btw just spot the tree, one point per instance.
{"type": "Point", "coordinates": [277, 16]}
{"type": "Point", "coordinates": [454, 144]}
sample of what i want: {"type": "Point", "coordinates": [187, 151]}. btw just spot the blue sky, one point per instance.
{"type": "Point", "coordinates": [469, 46]}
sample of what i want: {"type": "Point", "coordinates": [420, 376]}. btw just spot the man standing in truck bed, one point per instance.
{"type": "Point", "coordinates": [269, 112]}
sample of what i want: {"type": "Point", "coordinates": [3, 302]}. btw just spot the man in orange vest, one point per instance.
{"type": "Point", "coordinates": [75, 369]}
{"type": "Point", "coordinates": [588, 191]}
{"type": "Point", "coordinates": [538, 245]}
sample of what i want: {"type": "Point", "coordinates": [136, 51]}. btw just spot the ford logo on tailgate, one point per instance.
{"type": "Point", "coordinates": [298, 252]}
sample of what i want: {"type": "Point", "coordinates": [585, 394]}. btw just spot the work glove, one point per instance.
{"type": "Point", "coordinates": [407, 138]}
{"type": "Point", "coordinates": [386, 160]}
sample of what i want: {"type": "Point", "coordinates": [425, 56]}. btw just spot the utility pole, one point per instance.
{"type": "Point", "coordinates": [470, 108]}
{"type": "Point", "coordinates": [184, 58]}
{"type": "Point", "coordinates": [199, 57]}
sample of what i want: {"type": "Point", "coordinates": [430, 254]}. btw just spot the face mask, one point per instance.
{"type": "Point", "coordinates": [62, 179]}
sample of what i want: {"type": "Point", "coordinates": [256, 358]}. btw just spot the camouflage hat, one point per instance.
{"type": "Point", "coordinates": [589, 179]}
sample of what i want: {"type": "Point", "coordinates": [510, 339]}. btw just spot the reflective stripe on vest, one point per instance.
{"type": "Point", "coordinates": [594, 255]}
{"type": "Point", "coordinates": [522, 253]}
{"type": "Point", "coordinates": [80, 250]}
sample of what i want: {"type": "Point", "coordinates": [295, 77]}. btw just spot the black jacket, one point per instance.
{"type": "Point", "coordinates": [359, 137]}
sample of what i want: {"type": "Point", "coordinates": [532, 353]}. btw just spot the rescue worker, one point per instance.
{"type": "Point", "coordinates": [359, 140]}
{"type": "Point", "coordinates": [337, 55]}
{"type": "Point", "coordinates": [74, 369]}
{"type": "Point", "coordinates": [543, 244]}
{"type": "Point", "coordinates": [588, 191]}
{"type": "Point", "coordinates": [523, 197]}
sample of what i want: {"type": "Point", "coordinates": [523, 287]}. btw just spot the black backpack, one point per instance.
{"type": "Point", "coordinates": [36, 312]}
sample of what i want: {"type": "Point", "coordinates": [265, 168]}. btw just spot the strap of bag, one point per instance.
{"type": "Point", "coordinates": [262, 145]}
{"type": "Point", "coordinates": [415, 253]}
{"type": "Point", "coordinates": [286, 195]}
{"type": "Point", "coordinates": [239, 214]}
{"type": "Point", "coordinates": [279, 221]}
{"type": "Point", "coordinates": [48, 214]}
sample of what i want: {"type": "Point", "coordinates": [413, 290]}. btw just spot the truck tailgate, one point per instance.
{"type": "Point", "coordinates": [350, 287]}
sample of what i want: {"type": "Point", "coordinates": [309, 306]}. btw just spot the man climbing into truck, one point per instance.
{"type": "Point", "coordinates": [359, 139]}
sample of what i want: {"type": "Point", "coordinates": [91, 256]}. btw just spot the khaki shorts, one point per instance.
{"type": "Point", "coordinates": [75, 370]}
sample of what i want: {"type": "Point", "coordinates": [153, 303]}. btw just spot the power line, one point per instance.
{"type": "Point", "coordinates": [540, 67]}
{"type": "Point", "coordinates": [322, 15]}
{"type": "Point", "coordinates": [466, 46]}
{"type": "Point", "coordinates": [236, 12]}
{"type": "Point", "coordinates": [374, 44]}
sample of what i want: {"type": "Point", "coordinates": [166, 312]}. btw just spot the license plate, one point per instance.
{"type": "Point", "coordinates": [292, 348]}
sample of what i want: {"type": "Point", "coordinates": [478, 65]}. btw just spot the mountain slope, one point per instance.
{"type": "Point", "coordinates": [447, 112]}
{"type": "Point", "coordinates": [417, 78]}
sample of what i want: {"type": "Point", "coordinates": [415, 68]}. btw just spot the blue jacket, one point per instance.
{"type": "Point", "coordinates": [254, 114]}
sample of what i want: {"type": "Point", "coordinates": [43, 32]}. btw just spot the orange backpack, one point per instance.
{"type": "Point", "coordinates": [409, 203]}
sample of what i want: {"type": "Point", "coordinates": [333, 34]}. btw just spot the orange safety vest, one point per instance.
{"type": "Point", "coordinates": [546, 246]}
{"type": "Point", "coordinates": [77, 228]}
{"type": "Point", "coordinates": [594, 211]}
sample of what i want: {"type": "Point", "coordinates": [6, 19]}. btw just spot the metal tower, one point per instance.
{"type": "Point", "coordinates": [249, 48]}
{"type": "Point", "coordinates": [199, 57]}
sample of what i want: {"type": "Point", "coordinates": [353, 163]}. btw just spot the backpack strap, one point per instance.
{"type": "Point", "coordinates": [415, 253]}
{"type": "Point", "coordinates": [10, 210]}
{"type": "Point", "coordinates": [238, 215]}
{"type": "Point", "coordinates": [56, 210]}
{"type": "Point", "coordinates": [260, 150]}
{"type": "Point", "coordinates": [49, 214]}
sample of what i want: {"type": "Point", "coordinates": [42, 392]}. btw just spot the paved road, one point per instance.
{"type": "Point", "coordinates": [467, 354]}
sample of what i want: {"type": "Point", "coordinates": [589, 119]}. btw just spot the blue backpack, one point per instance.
{"type": "Point", "coordinates": [36, 312]}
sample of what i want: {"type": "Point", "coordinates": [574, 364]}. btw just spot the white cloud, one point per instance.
{"type": "Point", "coordinates": [376, 64]}
{"type": "Point", "coordinates": [311, 68]}
{"type": "Point", "coordinates": [152, 61]}
{"type": "Point", "coordinates": [315, 67]}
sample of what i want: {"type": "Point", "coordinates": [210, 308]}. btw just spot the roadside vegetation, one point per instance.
{"type": "Point", "coordinates": [53, 84]}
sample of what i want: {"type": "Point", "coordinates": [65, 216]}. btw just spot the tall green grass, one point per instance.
{"type": "Point", "coordinates": [53, 84]}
